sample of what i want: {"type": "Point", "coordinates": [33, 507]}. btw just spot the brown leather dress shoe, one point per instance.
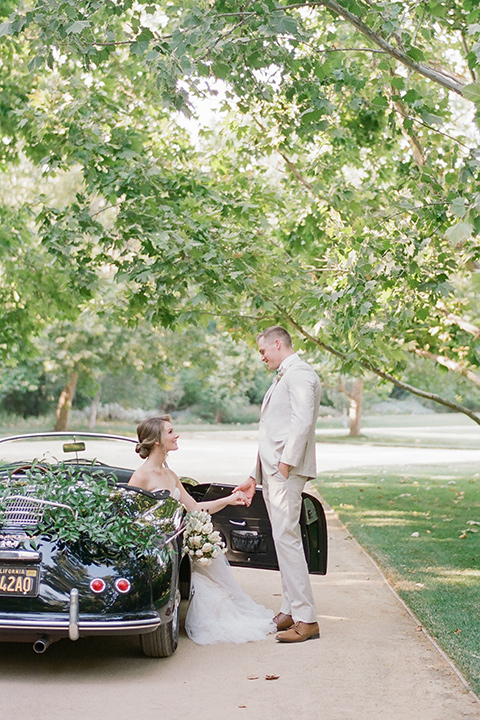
{"type": "Point", "coordinates": [299, 632]}
{"type": "Point", "coordinates": [283, 621]}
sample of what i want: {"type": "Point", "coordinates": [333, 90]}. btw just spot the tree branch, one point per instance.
{"type": "Point", "coordinates": [450, 364]}
{"type": "Point", "coordinates": [462, 324]}
{"type": "Point", "coordinates": [466, 50]}
{"type": "Point", "coordinates": [380, 373]}
{"type": "Point", "coordinates": [441, 77]}
{"type": "Point", "coordinates": [348, 49]}
{"type": "Point", "coordinates": [296, 173]}
{"type": "Point", "coordinates": [411, 138]}
{"type": "Point", "coordinates": [290, 165]}
{"type": "Point", "coordinates": [341, 387]}
{"type": "Point", "coordinates": [430, 127]}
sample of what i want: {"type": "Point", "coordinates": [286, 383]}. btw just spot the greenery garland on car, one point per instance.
{"type": "Point", "coordinates": [98, 511]}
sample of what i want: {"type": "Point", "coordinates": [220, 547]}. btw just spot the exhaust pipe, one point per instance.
{"type": "Point", "coordinates": [40, 645]}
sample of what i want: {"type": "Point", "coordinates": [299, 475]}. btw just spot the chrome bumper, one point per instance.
{"type": "Point", "coordinates": [62, 625]}
{"type": "Point", "coordinates": [72, 625]}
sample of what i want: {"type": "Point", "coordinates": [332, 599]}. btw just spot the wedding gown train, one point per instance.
{"type": "Point", "coordinates": [221, 611]}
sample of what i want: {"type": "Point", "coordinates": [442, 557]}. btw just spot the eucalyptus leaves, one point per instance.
{"type": "Point", "coordinates": [98, 511]}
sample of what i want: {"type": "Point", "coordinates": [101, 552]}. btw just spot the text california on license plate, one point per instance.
{"type": "Point", "coordinates": [19, 581]}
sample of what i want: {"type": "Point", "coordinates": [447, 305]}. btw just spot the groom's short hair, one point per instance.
{"type": "Point", "coordinates": [276, 332]}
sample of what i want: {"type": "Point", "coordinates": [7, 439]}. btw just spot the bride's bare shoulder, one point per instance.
{"type": "Point", "coordinates": [134, 477]}
{"type": "Point", "coordinates": [140, 478]}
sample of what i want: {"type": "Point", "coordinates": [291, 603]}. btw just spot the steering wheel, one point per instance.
{"type": "Point", "coordinates": [29, 466]}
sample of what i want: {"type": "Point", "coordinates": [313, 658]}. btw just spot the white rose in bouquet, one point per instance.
{"type": "Point", "coordinates": [201, 542]}
{"type": "Point", "coordinates": [204, 561]}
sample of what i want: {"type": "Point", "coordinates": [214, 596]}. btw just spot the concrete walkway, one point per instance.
{"type": "Point", "coordinates": [372, 661]}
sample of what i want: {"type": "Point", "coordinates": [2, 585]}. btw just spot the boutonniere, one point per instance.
{"type": "Point", "coordinates": [279, 375]}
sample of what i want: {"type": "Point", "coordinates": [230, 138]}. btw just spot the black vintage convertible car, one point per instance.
{"type": "Point", "coordinates": [82, 553]}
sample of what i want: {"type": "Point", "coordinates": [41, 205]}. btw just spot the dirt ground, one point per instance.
{"type": "Point", "coordinates": [371, 662]}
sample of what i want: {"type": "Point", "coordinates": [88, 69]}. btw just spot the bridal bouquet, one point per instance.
{"type": "Point", "coordinates": [201, 542]}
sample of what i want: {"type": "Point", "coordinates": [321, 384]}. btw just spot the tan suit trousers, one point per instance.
{"type": "Point", "coordinates": [283, 499]}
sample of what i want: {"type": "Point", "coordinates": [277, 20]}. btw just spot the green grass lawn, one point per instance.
{"type": "Point", "coordinates": [424, 531]}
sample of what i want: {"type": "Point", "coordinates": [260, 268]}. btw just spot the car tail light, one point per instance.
{"type": "Point", "coordinates": [98, 585]}
{"type": "Point", "coordinates": [122, 585]}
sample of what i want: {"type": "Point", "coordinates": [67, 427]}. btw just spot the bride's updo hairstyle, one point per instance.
{"type": "Point", "coordinates": [149, 432]}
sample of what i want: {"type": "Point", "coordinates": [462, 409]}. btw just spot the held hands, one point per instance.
{"type": "Point", "coordinates": [248, 490]}
{"type": "Point", "coordinates": [237, 497]}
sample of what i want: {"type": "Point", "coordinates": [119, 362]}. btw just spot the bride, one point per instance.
{"type": "Point", "coordinates": [219, 611]}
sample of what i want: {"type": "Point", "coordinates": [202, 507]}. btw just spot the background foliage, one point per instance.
{"type": "Point", "coordinates": [311, 163]}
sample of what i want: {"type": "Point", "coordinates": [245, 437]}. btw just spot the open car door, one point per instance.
{"type": "Point", "coordinates": [247, 533]}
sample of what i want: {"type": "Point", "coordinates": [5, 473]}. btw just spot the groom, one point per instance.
{"type": "Point", "coordinates": [285, 461]}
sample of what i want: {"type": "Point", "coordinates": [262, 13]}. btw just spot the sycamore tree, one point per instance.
{"type": "Point", "coordinates": [81, 353]}
{"type": "Point", "coordinates": [336, 191]}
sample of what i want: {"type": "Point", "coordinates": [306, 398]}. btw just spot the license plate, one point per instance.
{"type": "Point", "coordinates": [19, 581]}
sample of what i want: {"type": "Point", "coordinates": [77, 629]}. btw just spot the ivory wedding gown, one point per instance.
{"type": "Point", "coordinates": [220, 610]}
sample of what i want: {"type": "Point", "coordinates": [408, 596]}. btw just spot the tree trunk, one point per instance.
{"type": "Point", "coordinates": [93, 411]}
{"type": "Point", "coordinates": [355, 410]}
{"type": "Point", "coordinates": [65, 403]}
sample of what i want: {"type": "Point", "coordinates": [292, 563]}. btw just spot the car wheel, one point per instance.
{"type": "Point", "coordinates": [163, 641]}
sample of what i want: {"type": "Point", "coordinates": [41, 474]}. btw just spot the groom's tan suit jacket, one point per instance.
{"type": "Point", "coordinates": [287, 421]}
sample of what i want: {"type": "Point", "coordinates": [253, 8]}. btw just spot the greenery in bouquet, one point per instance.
{"type": "Point", "coordinates": [201, 542]}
